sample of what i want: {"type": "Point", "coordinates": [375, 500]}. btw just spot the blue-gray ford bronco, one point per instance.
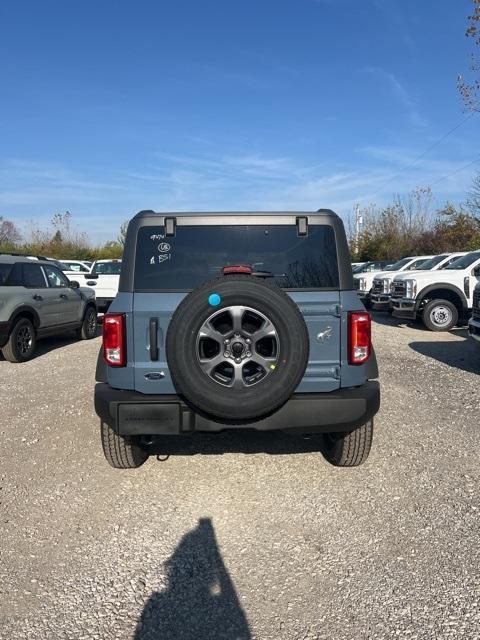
{"type": "Point", "coordinates": [236, 320]}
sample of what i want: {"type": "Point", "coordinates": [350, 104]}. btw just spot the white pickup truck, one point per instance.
{"type": "Point", "coordinates": [363, 282]}
{"type": "Point", "coordinates": [440, 298]}
{"type": "Point", "coordinates": [474, 323]}
{"type": "Point", "coordinates": [381, 287]}
{"type": "Point", "coordinates": [104, 278]}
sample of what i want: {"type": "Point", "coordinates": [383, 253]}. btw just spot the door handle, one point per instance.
{"type": "Point", "coordinates": [37, 297]}
{"type": "Point", "coordinates": [91, 283]}
{"type": "Point", "coordinates": [153, 331]}
{"type": "Point", "coordinates": [64, 296]}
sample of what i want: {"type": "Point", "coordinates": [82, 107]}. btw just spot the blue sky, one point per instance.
{"type": "Point", "coordinates": [111, 107]}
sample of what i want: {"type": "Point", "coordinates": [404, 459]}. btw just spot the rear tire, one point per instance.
{"type": "Point", "coordinates": [88, 330]}
{"type": "Point", "coordinates": [348, 448]}
{"type": "Point", "coordinates": [21, 342]}
{"type": "Point", "coordinates": [122, 452]}
{"type": "Point", "coordinates": [440, 315]}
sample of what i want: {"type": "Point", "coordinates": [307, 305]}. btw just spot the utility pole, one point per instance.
{"type": "Point", "coordinates": [358, 223]}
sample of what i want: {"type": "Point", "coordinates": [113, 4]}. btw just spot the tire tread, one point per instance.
{"type": "Point", "coordinates": [121, 452]}
{"type": "Point", "coordinates": [351, 448]}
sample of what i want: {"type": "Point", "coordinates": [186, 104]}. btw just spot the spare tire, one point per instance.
{"type": "Point", "coordinates": [237, 348]}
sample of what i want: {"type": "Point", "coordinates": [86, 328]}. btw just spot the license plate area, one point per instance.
{"type": "Point", "coordinates": [148, 418]}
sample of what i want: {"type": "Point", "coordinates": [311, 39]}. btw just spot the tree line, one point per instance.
{"type": "Point", "coordinates": [59, 239]}
{"type": "Point", "coordinates": [411, 226]}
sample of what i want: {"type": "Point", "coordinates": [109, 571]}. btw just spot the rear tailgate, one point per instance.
{"type": "Point", "coordinates": [152, 311]}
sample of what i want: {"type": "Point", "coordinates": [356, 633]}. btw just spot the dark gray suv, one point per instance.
{"type": "Point", "coordinates": [236, 320]}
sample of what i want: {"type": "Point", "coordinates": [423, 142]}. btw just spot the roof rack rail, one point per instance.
{"type": "Point", "coordinates": [22, 255]}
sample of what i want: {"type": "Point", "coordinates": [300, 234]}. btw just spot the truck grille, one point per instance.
{"type": "Point", "coordinates": [377, 286]}
{"type": "Point", "coordinates": [399, 289]}
{"type": "Point", "coordinates": [476, 304]}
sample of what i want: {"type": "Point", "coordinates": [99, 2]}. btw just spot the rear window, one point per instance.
{"type": "Point", "coordinates": [4, 273]}
{"type": "Point", "coordinates": [33, 276]}
{"type": "Point", "coordinates": [107, 268]}
{"type": "Point", "coordinates": [198, 253]}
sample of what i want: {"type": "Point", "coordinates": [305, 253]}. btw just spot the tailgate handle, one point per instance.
{"type": "Point", "coordinates": [153, 329]}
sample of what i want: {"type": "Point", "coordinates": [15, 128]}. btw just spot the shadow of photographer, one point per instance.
{"type": "Point", "coordinates": [200, 602]}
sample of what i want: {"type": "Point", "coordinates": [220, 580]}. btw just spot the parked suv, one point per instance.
{"type": "Point", "coordinates": [440, 298]}
{"type": "Point", "coordinates": [236, 320]}
{"type": "Point", "coordinates": [474, 323]}
{"type": "Point", "coordinates": [37, 300]}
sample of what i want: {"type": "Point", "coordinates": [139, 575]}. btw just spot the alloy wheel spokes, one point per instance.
{"type": "Point", "coordinates": [24, 340]}
{"type": "Point", "coordinates": [237, 346]}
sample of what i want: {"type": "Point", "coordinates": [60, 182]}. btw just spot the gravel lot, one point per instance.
{"type": "Point", "coordinates": [243, 536]}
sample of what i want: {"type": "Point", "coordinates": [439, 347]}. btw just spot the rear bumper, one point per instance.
{"type": "Point", "coordinates": [474, 329]}
{"type": "Point", "coordinates": [381, 301]}
{"type": "Point", "coordinates": [133, 413]}
{"type": "Point", "coordinates": [404, 308]}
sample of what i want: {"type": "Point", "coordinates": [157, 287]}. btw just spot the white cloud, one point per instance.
{"type": "Point", "coordinates": [238, 181]}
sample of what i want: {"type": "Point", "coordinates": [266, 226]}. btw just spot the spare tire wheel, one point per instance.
{"type": "Point", "coordinates": [237, 348]}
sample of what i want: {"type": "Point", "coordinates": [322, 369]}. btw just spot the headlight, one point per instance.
{"type": "Point", "coordinates": [386, 285]}
{"type": "Point", "coordinates": [362, 284]}
{"type": "Point", "coordinates": [410, 288]}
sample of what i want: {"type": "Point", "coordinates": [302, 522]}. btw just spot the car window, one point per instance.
{"type": "Point", "coordinates": [4, 273]}
{"type": "Point", "coordinates": [464, 261]}
{"type": "Point", "coordinates": [452, 259]}
{"type": "Point", "coordinates": [429, 264]}
{"type": "Point", "coordinates": [198, 253]}
{"type": "Point", "coordinates": [55, 277]}
{"type": "Point", "coordinates": [15, 277]}
{"type": "Point", "coordinates": [74, 266]}
{"type": "Point", "coordinates": [33, 276]}
{"type": "Point", "coordinates": [398, 265]}
{"type": "Point", "coordinates": [416, 264]}
{"type": "Point", "coordinates": [107, 268]}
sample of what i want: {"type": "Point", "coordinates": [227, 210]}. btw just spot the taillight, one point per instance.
{"type": "Point", "coordinates": [114, 346]}
{"type": "Point", "coordinates": [359, 337]}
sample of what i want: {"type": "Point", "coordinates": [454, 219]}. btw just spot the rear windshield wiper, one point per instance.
{"type": "Point", "coordinates": [267, 274]}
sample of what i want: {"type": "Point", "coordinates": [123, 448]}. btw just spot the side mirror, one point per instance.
{"type": "Point", "coordinates": [74, 284]}
{"type": "Point", "coordinates": [476, 271]}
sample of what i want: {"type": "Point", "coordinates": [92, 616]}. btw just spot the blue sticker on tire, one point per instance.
{"type": "Point", "coordinates": [214, 299]}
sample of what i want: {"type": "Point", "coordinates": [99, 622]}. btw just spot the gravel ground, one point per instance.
{"type": "Point", "coordinates": [242, 536]}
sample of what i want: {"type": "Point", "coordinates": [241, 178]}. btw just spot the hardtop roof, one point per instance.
{"type": "Point", "coordinates": [147, 213]}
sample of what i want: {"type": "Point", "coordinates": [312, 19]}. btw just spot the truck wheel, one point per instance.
{"type": "Point", "coordinates": [440, 315]}
{"type": "Point", "coordinates": [88, 330]}
{"type": "Point", "coordinates": [350, 448]}
{"type": "Point", "coordinates": [237, 348]}
{"type": "Point", "coordinates": [122, 452]}
{"type": "Point", "coordinates": [21, 343]}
